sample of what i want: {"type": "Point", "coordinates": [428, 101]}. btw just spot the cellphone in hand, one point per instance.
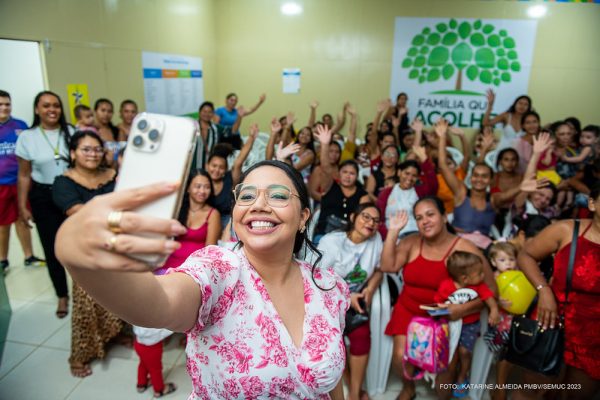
{"type": "Point", "coordinates": [159, 149]}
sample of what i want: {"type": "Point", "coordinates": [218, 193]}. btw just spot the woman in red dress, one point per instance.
{"type": "Point", "coordinates": [582, 312]}
{"type": "Point", "coordinates": [422, 259]}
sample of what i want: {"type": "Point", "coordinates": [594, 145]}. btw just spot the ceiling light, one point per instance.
{"type": "Point", "coordinates": [291, 8]}
{"type": "Point", "coordinates": [537, 11]}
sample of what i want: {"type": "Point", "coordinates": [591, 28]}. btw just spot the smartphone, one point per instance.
{"type": "Point", "coordinates": [159, 149]}
{"type": "Point", "coordinates": [434, 310]}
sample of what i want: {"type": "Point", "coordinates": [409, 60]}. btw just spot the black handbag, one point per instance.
{"type": "Point", "coordinates": [335, 223]}
{"type": "Point", "coordinates": [533, 348]}
{"type": "Point", "coordinates": [354, 319]}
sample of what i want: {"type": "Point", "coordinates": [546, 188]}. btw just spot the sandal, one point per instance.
{"type": "Point", "coordinates": [169, 388]}
{"type": "Point", "coordinates": [462, 390]}
{"type": "Point", "coordinates": [81, 370]}
{"type": "Point", "coordinates": [142, 388]}
{"type": "Point", "coordinates": [63, 311]}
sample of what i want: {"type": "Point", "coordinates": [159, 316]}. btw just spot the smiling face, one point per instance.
{"type": "Point", "coordinates": [231, 102]}
{"type": "Point", "coordinates": [206, 114]}
{"type": "Point", "coordinates": [216, 168]}
{"type": "Point", "coordinates": [389, 157]}
{"type": "Point", "coordinates": [430, 221]}
{"type": "Point", "coordinates": [564, 135]}
{"type": "Point", "coordinates": [199, 189]}
{"type": "Point", "coordinates": [541, 198]}
{"type": "Point", "coordinates": [128, 113]}
{"type": "Point", "coordinates": [366, 223]}
{"type": "Point", "coordinates": [88, 154]}
{"type": "Point", "coordinates": [48, 109]}
{"type": "Point", "coordinates": [5, 108]}
{"type": "Point", "coordinates": [305, 136]}
{"type": "Point", "coordinates": [481, 178]}
{"type": "Point", "coordinates": [104, 113]}
{"type": "Point", "coordinates": [402, 99]}
{"type": "Point", "coordinates": [531, 125]}
{"type": "Point", "coordinates": [509, 161]}
{"type": "Point", "coordinates": [522, 105]}
{"type": "Point", "coordinates": [408, 177]}
{"type": "Point", "coordinates": [262, 228]}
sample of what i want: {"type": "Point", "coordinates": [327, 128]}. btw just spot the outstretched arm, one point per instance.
{"type": "Point", "coordinates": [323, 134]}
{"type": "Point", "coordinates": [341, 119]}
{"type": "Point", "coordinates": [394, 257]}
{"type": "Point", "coordinates": [275, 134]}
{"type": "Point", "coordinates": [491, 97]}
{"type": "Point", "coordinates": [236, 171]}
{"type": "Point", "coordinates": [455, 185]}
{"type": "Point", "coordinates": [352, 132]}
{"type": "Point", "coordinates": [466, 149]}
{"type": "Point", "coordinates": [312, 119]}
{"type": "Point", "coordinates": [261, 100]}
{"type": "Point", "coordinates": [585, 152]}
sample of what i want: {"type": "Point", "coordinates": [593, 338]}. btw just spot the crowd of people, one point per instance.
{"type": "Point", "coordinates": [262, 284]}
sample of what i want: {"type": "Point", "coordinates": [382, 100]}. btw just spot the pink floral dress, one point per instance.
{"type": "Point", "coordinates": [240, 348]}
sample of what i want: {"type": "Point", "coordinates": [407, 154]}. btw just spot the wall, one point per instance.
{"type": "Point", "coordinates": [344, 48]}
{"type": "Point", "coordinates": [99, 42]}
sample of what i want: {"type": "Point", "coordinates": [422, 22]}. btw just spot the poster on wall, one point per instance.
{"type": "Point", "coordinates": [446, 65]}
{"type": "Point", "coordinates": [78, 94]}
{"type": "Point", "coordinates": [172, 83]}
{"type": "Point", "coordinates": [291, 80]}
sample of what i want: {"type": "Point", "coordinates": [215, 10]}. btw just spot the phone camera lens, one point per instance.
{"type": "Point", "coordinates": [142, 125]}
{"type": "Point", "coordinates": [153, 135]}
{"type": "Point", "coordinates": [138, 141]}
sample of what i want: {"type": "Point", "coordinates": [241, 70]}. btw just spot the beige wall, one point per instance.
{"type": "Point", "coordinates": [344, 48]}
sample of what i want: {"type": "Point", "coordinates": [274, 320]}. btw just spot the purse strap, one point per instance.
{"type": "Point", "coordinates": [571, 261]}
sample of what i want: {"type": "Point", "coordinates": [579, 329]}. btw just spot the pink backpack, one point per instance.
{"type": "Point", "coordinates": [427, 346]}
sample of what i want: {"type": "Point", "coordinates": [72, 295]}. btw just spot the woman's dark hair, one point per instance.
{"type": "Point", "coordinates": [302, 238]}
{"type": "Point", "coordinates": [390, 128]}
{"type": "Point", "coordinates": [439, 205]}
{"type": "Point", "coordinates": [505, 151]}
{"type": "Point", "coordinates": [114, 130]}
{"type": "Point", "coordinates": [310, 145]}
{"type": "Point", "coordinates": [77, 138]}
{"type": "Point", "coordinates": [206, 104]}
{"type": "Point", "coordinates": [530, 113]}
{"type": "Point", "coordinates": [360, 208]}
{"type": "Point", "coordinates": [126, 102]}
{"type": "Point", "coordinates": [185, 202]}
{"type": "Point", "coordinates": [230, 95]}
{"type": "Point", "coordinates": [575, 122]}
{"type": "Point", "coordinates": [483, 164]}
{"type": "Point", "coordinates": [390, 146]}
{"type": "Point", "coordinates": [531, 224]}
{"type": "Point", "coordinates": [595, 191]}
{"type": "Point", "coordinates": [221, 150]}
{"type": "Point", "coordinates": [404, 134]}
{"type": "Point", "coordinates": [410, 164]}
{"type": "Point", "coordinates": [401, 94]}
{"type": "Point", "coordinates": [335, 143]}
{"type": "Point", "coordinates": [62, 120]}
{"type": "Point", "coordinates": [514, 104]}
{"type": "Point", "coordinates": [353, 163]}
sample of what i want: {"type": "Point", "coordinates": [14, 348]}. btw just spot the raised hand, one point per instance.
{"type": "Point", "coordinates": [323, 134]}
{"type": "Point", "coordinates": [398, 220]}
{"type": "Point", "coordinates": [532, 184]}
{"type": "Point", "coordinates": [262, 98]}
{"type": "Point", "coordinates": [290, 118]}
{"type": "Point", "coordinates": [283, 153]}
{"type": "Point", "coordinates": [383, 105]}
{"type": "Point", "coordinates": [420, 153]}
{"type": "Point", "coordinates": [441, 127]}
{"type": "Point", "coordinates": [456, 131]}
{"type": "Point", "coordinates": [314, 104]}
{"type": "Point", "coordinates": [417, 125]}
{"type": "Point", "coordinates": [491, 97]}
{"type": "Point", "coordinates": [275, 126]}
{"type": "Point", "coordinates": [395, 122]}
{"type": "Point", "coordinates": [253, 131]}
{"type": "Point", "coordinates": [488, 140]}
{"type": "Point", "coordinates": [346, 106]}
{"type": "Point", "coordinates": [542, 143]}
{"type": "Point", "coordinates": [351, 110]}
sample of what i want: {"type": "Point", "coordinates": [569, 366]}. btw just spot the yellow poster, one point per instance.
{"type": "Point", "coordinates": [78, 94]}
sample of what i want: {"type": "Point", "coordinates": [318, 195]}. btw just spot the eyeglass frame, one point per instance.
{"type": "Point", "coordinates": [92, 150]}
{"type": "Point", "coordinates": [258, 190]}
{"type": "Point", "coordinates": [368, 218]}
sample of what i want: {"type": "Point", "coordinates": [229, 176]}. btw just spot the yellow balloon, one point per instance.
{"type": "Point", "coordinates": [514, 287]}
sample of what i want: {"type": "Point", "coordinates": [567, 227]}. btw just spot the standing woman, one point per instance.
{"type": "Point", "coordinates": [354, 255]}
{"type": "Point", "coordinates": [422, 259]}
{"type": "Point", "coordinates": [524, 144]}
{"type": "Point", "coordinates": [259, 322]}
{"type": "Point", "coordinates": [103, 113]}
{"type": "Point", "coordinates": [43, 154]}
{"type": "Point", "coordinates": [582, 311]}
{"type": "Point", "coordinates": [127, 112]}
{"type": "Point", "coordinates": [91, 325]}
{"type": "Point", "coordinates": [510, 119]}
{"type": "Point", "coordinates": [228, 115]}
{"type": "Point", "coordinates": [388, 168]}
{"type": "Point", "coordinates": [202, 220]}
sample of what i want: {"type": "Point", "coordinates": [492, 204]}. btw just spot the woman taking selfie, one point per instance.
{"type": "Point", "coordinates": [259, 323]}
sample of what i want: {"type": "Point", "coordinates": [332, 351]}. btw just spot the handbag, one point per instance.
{"type": "Point", "coordinates": [533, 348]}
{"type": "Point", "coordinates": [354, 319]}
{"type": "Point", "coordinates": [335, 223]}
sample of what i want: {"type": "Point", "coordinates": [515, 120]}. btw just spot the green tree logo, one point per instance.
{"type": "Point", "coordinates": [452, 48]}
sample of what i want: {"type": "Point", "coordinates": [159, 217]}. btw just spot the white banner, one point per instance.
{"type": "Point", "coordinates": [172, 84]}
{"type": "Point", "coordinates": [446, 66]}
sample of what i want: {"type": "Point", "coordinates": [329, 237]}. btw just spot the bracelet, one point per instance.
{"type": "Point", "coordinates": [541, 286]}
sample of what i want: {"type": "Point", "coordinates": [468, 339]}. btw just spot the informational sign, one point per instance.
{"type": "Point", "coordinates": [445, 66]}
{"type": "Point", "coordinates": [172, 84]}
{"type": "Point", "coordinates": [78, 94]}
{"type": "Point", "coordinates": [291, 80]}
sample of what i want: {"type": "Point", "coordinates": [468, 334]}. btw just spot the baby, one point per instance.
{"type": "Point", "coordinates": [466, 272]}
{"type": "Point", "coordinates": [85, 118]}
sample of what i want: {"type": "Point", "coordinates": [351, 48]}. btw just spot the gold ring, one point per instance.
{"type": "Point", "coordinates": [114, 221]}
{"type": "Point", "coordinates": [111, 242]}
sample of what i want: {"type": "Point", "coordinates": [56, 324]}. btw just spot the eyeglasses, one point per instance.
{"type": "Point", "coordinates": [368, 218]}
{"type": "Point", "coordinates": [90, 150]}
{"type": "Point", "coordinates": [276, 195]}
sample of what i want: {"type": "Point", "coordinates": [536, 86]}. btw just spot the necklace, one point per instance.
{"type": "Point", "coordinates": [55, 149]}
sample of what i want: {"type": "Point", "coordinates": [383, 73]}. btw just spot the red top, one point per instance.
{"type": "Point", "coordinates": [428, 187]}
{"type": "Point", "coordinates": [448, 287]}
{"type": "Point", "coordinates": [582, 315]}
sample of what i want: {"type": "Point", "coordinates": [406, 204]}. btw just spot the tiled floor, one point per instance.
{"type": "Point", "coordinates": [35, 365]}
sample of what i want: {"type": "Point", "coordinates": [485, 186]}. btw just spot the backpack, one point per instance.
{"type": "Point", "coordinates": [427, 346]}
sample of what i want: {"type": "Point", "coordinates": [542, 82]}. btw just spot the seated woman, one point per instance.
{"type": "Point", "coordinates": [339, 199]}
{"type": "Point", "coordinates": [387, 168]}
{"type": "Point", "coordinates": [202, 220]}
{"type": "Point", "coordinates": [224, 180]}
{"type": "Point", "coordinates": [92, 326]}
{"type": "Point", "coordinates": [354, 254]}
{"type": "Point", "coordinates": [417, 179]}
{"type": "Point", "coordinates": [422, 259]}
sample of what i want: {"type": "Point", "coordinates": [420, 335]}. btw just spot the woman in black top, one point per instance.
{"type": "Point", "coordinates": [91, 325]}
